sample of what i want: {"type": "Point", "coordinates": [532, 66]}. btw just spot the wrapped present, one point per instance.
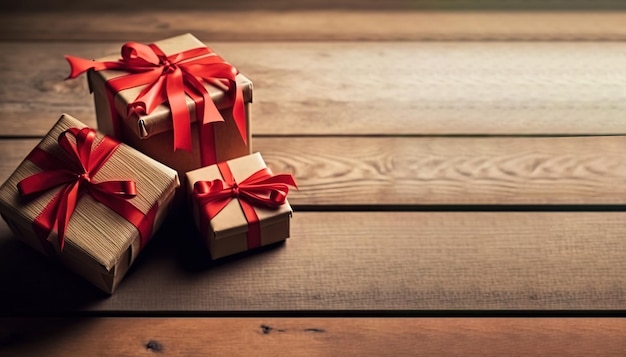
{"type": "Point", "coordinates": [174, 100]}
{"type": "Point", "coordinates": [87, 200]}
{"type": "Point", "coordinates": [240, 205]}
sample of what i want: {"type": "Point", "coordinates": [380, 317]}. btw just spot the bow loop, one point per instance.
{"type": "Point", "coordinates": [136, 54]}
{"type": "Point", "coordinates": [124, 189]}
{"type": "Point", "coordinates": [265, 195]}
{"type": "Point", "coordinates": [79, 65]}
{"type": "Point", "coordinates": [208, 187]}
{"type": "Point", "coordinates": [80, 149]}
{"type": "Point", "coordinates": [278, 197]}
{"type": "Point", "coordinates": [213, 196]}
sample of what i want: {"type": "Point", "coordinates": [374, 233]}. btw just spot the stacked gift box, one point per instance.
{"type": "Point", "coordinates": [173, 132]}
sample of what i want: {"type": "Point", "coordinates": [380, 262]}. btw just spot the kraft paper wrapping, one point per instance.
{"type": "Point", "coordinates": [100, 245]}
{"type": "Point", "coordinates": [152, 134]}
{"type": "Point", "coordinates": [227, 230]}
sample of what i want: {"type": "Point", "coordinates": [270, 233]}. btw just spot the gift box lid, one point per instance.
{"type": "Point", "coordinates": [94, 229]}
{"type": "Point", "coordinates": [160, 119]}
{"type": "Point", "coordinates": [231, 220]}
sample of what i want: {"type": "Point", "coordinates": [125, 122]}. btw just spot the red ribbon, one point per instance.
{"type": "Point", "coordinates": [261, 189]}
{"type": "Point", "coordinates": [75, 176]}
{"type": "Point", "coordinates": [168, 79]}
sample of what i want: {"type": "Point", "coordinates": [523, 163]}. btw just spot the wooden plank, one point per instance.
{"type": "Point", "coordinates": [319, 24]}
{"type": "Point", "coordinates": [316, 337]}
{"type": "Point", "coordinates": [435, 170]}
{"type": "Point", "coordinates": [356, 261]}
{"type": "Point", "coordinates": [366, 88]}
{"type": "Point", "coordinates": [444, 170]}
{"type": "Point", "coordinates": [122, 6]}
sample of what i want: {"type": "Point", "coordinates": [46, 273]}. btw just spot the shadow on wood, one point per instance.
{"type": "Point", "coordinates": [33, 284]}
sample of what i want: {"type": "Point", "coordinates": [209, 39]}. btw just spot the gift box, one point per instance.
{"type": "Point", "coordinates": [239, 205]}
{"type": "Point", "coordinates": [175, 100]}
{"type": "Point", "coordinates": [87, 200]}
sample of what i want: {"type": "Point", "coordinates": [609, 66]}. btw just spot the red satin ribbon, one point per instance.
{"type": "Point", "coordinates": [74, 174]}
{"type": "Point", "coordinates": [261, 189]}
{"type": "Point", "coordinates": [169, 79]}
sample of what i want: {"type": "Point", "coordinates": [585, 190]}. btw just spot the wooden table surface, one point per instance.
{"type": "Point", "coordinates": [462, 182]}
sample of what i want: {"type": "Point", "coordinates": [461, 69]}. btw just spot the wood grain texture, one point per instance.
{"type": "Point", "coordinates": [355, 261]}
{"type": "Point", "coordinates": [435, 170]}
{"type": "Point", "coordinates": [315, 337]}
{"type": "Point", "coordinates": [365, 88]}
{"type": "Point", "coordinates": [443, 170]}
{"type": "Point", "coordinates": [151, 23]}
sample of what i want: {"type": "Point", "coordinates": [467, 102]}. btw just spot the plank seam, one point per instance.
{"type": "Point", "coordinates": [336, 313]}
{"type": "Point", "coordinates": [463, 208]}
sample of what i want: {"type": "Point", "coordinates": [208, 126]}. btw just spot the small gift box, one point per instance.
{"type": "Point", "coordinates": [87, 200]}
{"type": "Point", "coordinates": [240, 205]}
{"type": "Point", "coordinates": [175, 100]}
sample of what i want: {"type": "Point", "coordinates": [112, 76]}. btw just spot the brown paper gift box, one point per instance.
{"type": "Point", "coordinates": [227, 233]}
{"type": "Point", "coordinates": [152, 134]}
{"type": "Point", "coordinates": [100, 245]}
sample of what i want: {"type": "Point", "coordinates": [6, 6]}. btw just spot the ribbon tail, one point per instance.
{"type": "Point", "coordinates": [180, 113]}
{"type": "Point", "coordinates": [78, 65]}
{"type": "Point", "coordinates": [46, 222]}
{"type": "Point", "coordinates": [206, 113]}
{"type": "Point", "coordinates": [206, 137]}
{"type": "Point", "coordinates": [66, 208]}
{"type": "Point", "coordinates": [239, 113]}
{"type": "Point", "coordinates": [209, 113]}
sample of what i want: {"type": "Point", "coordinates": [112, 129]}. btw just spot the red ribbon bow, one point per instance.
{"type": "Point", "coordinates": [168, 79]}
{"type": "Point", "coordinates": [75, 174]}
{"type": "Point", "coordinates": [261, 189]}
